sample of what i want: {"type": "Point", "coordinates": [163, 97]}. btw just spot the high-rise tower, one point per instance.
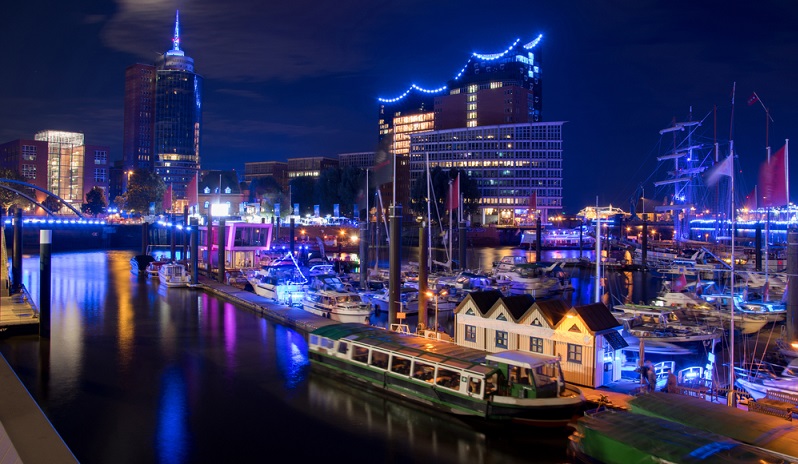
{"type": "Point", "coordinates": [178, 117]}
{"type": "Point", "coordinates": [139, 119]}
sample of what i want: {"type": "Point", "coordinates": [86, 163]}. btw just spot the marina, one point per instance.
{"type": "Point", "coordinates": [620, 391]}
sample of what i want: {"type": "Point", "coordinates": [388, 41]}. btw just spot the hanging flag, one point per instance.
{"type": "Point", "coordinates": [533, 201]}
{"type": "Point", "coordinates": [383, 162]}
{"type": "Point", "coordinates": [680, 283]}
{"type": "Point", "coordinates": [773, 180]}
{"type": "Point", "coordinates": [192, 192]}
{"type": "Point", "coordinates": [452, 202]}
{"type": "Point", "coordinates": [724, 168]}
{"type": "Point", "coordinates": [766, 291]}
{"type": "Point", "coordinates": [167, 199]}
{"type": "Point", "coordinates": [753, 99]}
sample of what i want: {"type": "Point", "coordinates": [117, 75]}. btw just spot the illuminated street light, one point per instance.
{"type": "Point", "coordinates": [442, 293]}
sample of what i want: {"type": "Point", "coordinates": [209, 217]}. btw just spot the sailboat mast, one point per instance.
{"type": "Point", "coordinates": [731, 399]}
{"type": "Point", "coordinates": [598, 254]}
{"type": "Point", "coordinates": [429, 217]}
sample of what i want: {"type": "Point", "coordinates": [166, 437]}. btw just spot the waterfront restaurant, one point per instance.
{"type": "Point", "coordinates": [586, 338]}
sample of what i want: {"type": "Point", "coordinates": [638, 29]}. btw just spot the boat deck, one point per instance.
{"type": "Point", "coordinates": [18, 315]}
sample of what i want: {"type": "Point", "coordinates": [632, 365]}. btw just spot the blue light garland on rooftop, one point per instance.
{"type": "Point", "coordinates": [488, 57]}
{"type": "Point", "coordinates": [414, 86]}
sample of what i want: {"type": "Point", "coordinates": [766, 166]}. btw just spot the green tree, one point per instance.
{"type": "Point", "coordinates": [95, 202]}
{"type": "Point", "coordinates": [9, 198]}
{"type": "Point", "coordinates": [120, 202]}
{"type": "Point", "coordinates": [52, 203]}
{"type": "Point", "coordinates": [144, 187]}
{"type": "Point", "coordinates": [325, 192]}
{"type": "Point", "coordinates": [302, 192]}
{"type": "Point", "coordinates": [268, 192]}
{"type": "Point", "coordinates": [440, 192]}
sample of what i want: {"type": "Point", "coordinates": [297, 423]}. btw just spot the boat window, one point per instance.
{"type": "Point", "coordinates": [491, 383]}
{"type": "Point", "coordinates": [360, 354]}
{"type": "Point", "coordinates": [448, 378]}
{"type": "Point", "coordinates": [343, 347]}
{"type": "Point", "coordinates": [326, 343]}
{"type": "Point", "coordinates": [400, 365]}
{"type": "Point", "coordinates": [379, 359]}
{"type": "Point", "coordinates": [475, 385]}
{"type": "Point", "coordinates": [423, 371]}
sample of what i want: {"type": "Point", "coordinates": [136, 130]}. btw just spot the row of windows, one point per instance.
{"type": "Point", "coordinates": [527, 132]}
{"type": "Point", "coordinates": [535, 343]}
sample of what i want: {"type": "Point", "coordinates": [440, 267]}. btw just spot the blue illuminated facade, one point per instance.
{"type": "Point", "coordinates": [178, 118]}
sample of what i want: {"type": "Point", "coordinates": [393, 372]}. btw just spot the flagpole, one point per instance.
{"type": "Point", "coordinates": [731, 399]}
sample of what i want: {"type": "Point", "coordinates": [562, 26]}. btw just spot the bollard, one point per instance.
{"type": "Point", "coordinates": [45, 244]}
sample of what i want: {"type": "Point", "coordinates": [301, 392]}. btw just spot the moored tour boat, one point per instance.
{"type": "Point", "coordinates": [507, 386]}
{"type": "Point", "coordinates": [174, 275]}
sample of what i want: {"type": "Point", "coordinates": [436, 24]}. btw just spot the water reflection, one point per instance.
{"type": "Point", "coordinates": [138, 373]}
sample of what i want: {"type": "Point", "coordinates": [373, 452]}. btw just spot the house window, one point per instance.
{"type": "Point", "coordinates": [536, 344]}
{"type": "Point", "coordinates": [29, 171]}
{"type": "Point", "coordinates": [575, 353]}
{"type": "Point", "coordinates": [470, 333]}
{"type": "Point", "coordinates": [501, 339]}
{"type": "Point", "coordinates": [99, 175]}
{"type": "Point", "coordinates": [100, 157]}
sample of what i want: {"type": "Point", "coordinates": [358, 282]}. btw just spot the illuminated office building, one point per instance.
{"type": "Point", "coordinates": [178, 117]}
{"type": "Point", "coordinates": [74, 168]}
{"type": "Point", "coordinates": [490, 90]}
{"type": "Point", "coordinates": [517, 167]}
{"type": "Point", "coordinates": [139, 117]}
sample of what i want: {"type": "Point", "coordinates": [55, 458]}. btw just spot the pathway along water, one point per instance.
{"type": "Point", "coordinates": [137, 373]}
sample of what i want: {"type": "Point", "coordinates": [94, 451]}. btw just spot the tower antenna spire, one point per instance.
{"type": "Point", "coordinates": [176, 39]}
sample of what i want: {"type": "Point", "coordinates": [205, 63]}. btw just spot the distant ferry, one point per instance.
{"type": "Point", "coordinates": [558, 238]}
{"type": "Point", "coordinates": [507, 386]}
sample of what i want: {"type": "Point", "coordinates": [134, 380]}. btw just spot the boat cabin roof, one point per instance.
{"type": "Point", "coordinates": [522, 358]}
{"type": "Point", "coordinates": [465, 358]}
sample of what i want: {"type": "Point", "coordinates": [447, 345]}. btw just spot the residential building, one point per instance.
{"type": "Point", "coordinates": [276, 169]}
{"type": "Point", "coordinates": [362, 160]}
{"type": "Point", "coordinates": [586, 338]}
{"type": "Point", "coordinates": [311, 166]}
{"type": "Point", "coordinates": [27, 158]}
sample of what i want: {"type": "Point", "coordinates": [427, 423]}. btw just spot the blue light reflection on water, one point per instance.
{"type": "Point", "coordinates": [171, 435]}
{"type": "Point", "coordinates": [292, 356]}
{"type": "Point", "coordinates": [132, 363]}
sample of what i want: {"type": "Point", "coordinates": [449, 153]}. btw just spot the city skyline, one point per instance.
{"type": "Point", "coordinates": [303, 80]}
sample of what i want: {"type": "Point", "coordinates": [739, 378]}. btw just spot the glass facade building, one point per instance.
{"type": "Point", "coordinates": [178, 118]}
{"type": "Point", "coordinates": [517, 167]}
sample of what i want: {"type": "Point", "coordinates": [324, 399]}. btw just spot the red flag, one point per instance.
{"type": "Point", "coordinates": [453, 202]}
{"type": "Point", "coordinates": [192, 193]}
{"type": "Point", "coordinates": [533, 201]}
{"type": "Point", "coordinates": [680, 283]}
{"type": "Point", "coordinates": [167, 199]}
{"type": "Point", "coordinates": [753, 99]}
{"type": "Point", "coordinates": [766, 291]}
{"type": "Point", "coordinates": [773, 180]}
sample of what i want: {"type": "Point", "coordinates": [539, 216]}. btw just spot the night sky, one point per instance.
{"type": "Point", "coordinates": [302, 78]}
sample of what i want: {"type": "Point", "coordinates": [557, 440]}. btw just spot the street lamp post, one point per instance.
{"type": "Point", "coordinates": [442, 293]}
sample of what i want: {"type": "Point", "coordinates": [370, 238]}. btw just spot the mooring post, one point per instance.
{"type": "Point", "coordinates": [16, 259]}
{"type": "Point", "coordinates": [194, 243]}
{"type": "Point", "coordinates": [222, 239]}
{"type": "Point", "coordinates": [45, 242]}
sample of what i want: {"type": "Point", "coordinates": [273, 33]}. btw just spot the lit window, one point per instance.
{"type": "Point", "coordinates": [575, 353]}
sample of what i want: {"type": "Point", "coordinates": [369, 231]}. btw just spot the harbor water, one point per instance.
{"type": "Point", "coordinates": [138, 373]}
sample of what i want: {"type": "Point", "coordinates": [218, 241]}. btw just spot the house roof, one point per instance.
{"type": "Point", "coordinates": [485, 300]}
{"type": "Point", "coordinates": [518, 305]}
{"type": "Point", "coordinates": [597, 317]}
{"type": "Point", "coordinates": [553, 310]}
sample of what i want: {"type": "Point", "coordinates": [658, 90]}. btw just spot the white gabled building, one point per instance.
{"type": "Point", "coordinates": [586, 338]}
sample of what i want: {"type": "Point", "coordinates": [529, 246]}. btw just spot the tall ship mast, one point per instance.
{"type": "Point", "coordinates": [681, 186]}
